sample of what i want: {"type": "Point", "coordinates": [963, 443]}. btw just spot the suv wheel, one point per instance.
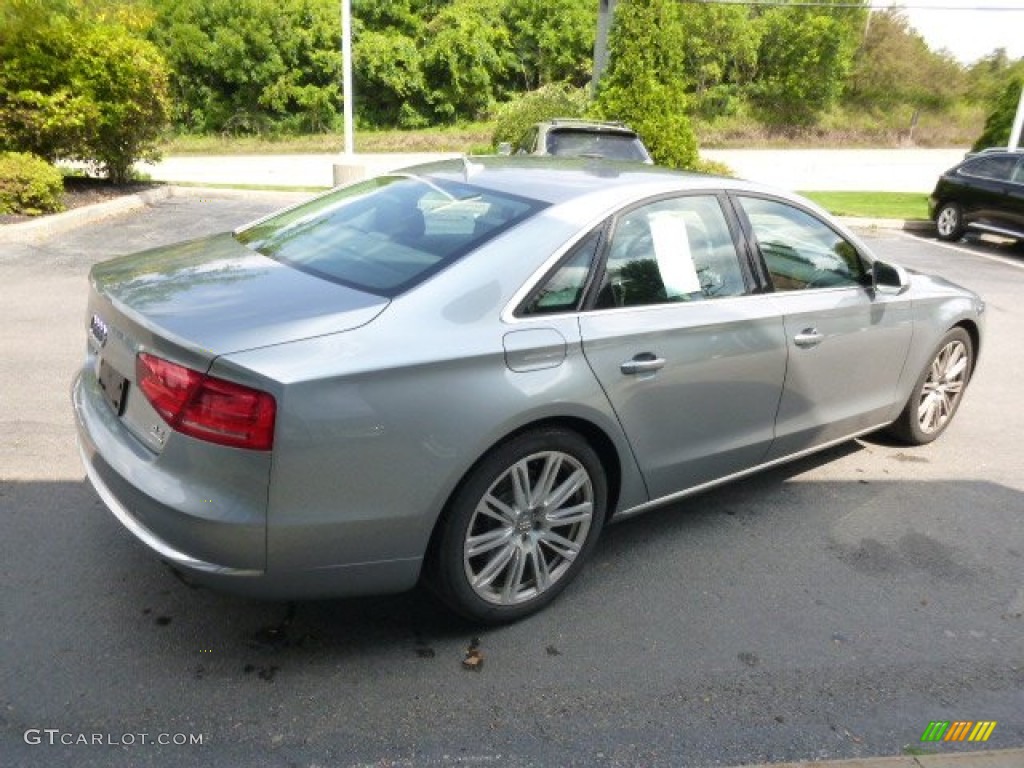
{"type": "Point", "coordinates": [949, 222]}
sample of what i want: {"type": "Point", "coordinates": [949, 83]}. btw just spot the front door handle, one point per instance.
{"type": "Point", "coordinates": [808, 337]}
{"type": "Point", "coordinates": [645, 362]}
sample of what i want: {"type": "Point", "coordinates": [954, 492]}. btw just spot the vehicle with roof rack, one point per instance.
{"type": "Point", "coordinates": [576, 137]}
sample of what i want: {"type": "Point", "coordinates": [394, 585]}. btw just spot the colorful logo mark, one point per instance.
{"type": "Point", "coordinates": [958, 730]}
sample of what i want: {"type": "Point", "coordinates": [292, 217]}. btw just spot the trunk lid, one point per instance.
{"type": "Point", "coordinates": [215, 296]}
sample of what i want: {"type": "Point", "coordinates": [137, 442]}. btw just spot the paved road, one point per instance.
{"type": "Point", "coordinates": [831, 608]}
{"type": "Point", "coordinates": [896, 170]}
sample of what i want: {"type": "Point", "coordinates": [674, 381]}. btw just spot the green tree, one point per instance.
{"type": "Point", "coordinates": [467, 58]}
{"type": "Point", "coordinates": [79, 81]}
{"type": "Point", "coordinates": [987, 77]}
{"type": "Point", "coordinates": [804, 59]}
{"type": "Point", "coordinates": [720, 45]}
{"type": "Point", "coordinates": [895, 66]}
{"type": "Point", "coordinates": [388, 78]}
{"type": "Point", "coordinates": [241, 65]}
{"type": "Point", "coordinates": [553, 40]}
{"type": "Point", "coordinates": [646, 80]}
{"type": "Point", "coordinates": [1000, 120]}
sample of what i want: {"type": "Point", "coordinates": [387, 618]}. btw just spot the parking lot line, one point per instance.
{"type": "Point", "coordinates": [953, 247]}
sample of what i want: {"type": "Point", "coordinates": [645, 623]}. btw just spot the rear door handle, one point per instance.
{"type": "Point", "coordinates": [808, 337]}
{"type": "Point", "coordinates": [645, 362]}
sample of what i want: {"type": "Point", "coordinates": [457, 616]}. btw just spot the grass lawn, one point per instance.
{"type": "Point", "coordinates": [471, 138]}
{"type": "Point", "coordinates": [880, 205]}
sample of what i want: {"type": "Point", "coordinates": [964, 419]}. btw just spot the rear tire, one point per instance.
{"type": "Point", "coordinates": [938, 391]}
{"type": "Point", "coordinates": [520, 526]}
{"type": "Point", "coordinates": [949, 222]}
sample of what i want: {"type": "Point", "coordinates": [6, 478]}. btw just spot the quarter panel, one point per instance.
{"type": "Point", "coordinates": [365, 460]}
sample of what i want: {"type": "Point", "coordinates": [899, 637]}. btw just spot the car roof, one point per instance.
{"type": "Point", "coordinates": [561, 179]}
{"type": "Point", "coordinates": [560, 124]}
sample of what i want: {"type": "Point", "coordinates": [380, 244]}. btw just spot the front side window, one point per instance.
{"type": "Point", "coordinates": [800, 250]}
{"type": "Point", "coordinates": [387, 234]}
{"type": "Point", "coordinates": [673, 250]}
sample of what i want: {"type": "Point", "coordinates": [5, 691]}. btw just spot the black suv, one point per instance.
{"type": "Point", "coordinates": [984, 193]}
{"type": "Point", "coordinates": [569, 137]}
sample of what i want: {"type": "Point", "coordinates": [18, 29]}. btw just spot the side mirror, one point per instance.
{"type": "Point", "coordinates": [889, 279]}
{"type": "Point", "coordinates": [504, 149]}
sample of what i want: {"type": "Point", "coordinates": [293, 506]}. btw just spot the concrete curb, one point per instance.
{"type": "Point", "coordinates": [906, 225]}
{"type": "Point", "coordinates": [1000, 758]}
{"type": "Point", "coordinates": [59, 223]}
{"type": "Point", "coordinates": [62, 222]}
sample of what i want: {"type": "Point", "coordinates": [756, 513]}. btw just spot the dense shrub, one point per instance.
{"type": "Point", "coordinates": [514, 118]}
{"type": "Point", "coordinates": [29, 184]}
{"type": "Point", "coordinates": [80, 82]}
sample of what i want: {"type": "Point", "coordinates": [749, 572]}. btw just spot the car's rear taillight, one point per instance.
{"type": "Point", "coordinates": [206, 407]}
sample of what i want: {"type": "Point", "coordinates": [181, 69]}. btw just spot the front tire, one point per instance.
{"type": "Point", "coordinates": [520, 526]}
{"type": "Point", "coordinates": [938, 391]}
{"type": "Point", "coordinates": [949, 222]}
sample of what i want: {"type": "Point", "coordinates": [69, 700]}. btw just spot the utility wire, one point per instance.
{"type": "Point", "coordinates": [862, 6]}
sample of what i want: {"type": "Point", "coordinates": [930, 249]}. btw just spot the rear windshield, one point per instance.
{"type": "Point", "coordinates": [387, 234]}
{"type": "Point", "coordinates": [611, 146]}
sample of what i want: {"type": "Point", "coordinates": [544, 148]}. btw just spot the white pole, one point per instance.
{"type": "Point", "coordinates": [605, 14]}
{"type": "Point", "coordinates": [1018, 122]}
{"type": "Point", "coordinates": [346, 70]}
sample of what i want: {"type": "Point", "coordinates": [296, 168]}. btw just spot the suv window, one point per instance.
{"type": "Point", "coordinates": [610, 145]}
{"type": "Point", "coordinates": [799, 250]}
{"type": "Point", "coordinates": [673, 250]}
{"type": "Point", "coordinates": [999, 167]}
{"type": "Point", "coordinates": [528, 143]}
{"type": "Point", "coordinates": [1018, 174]}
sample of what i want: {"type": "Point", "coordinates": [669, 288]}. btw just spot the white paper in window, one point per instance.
{"type": "Point", "coordinates": [672, 251]}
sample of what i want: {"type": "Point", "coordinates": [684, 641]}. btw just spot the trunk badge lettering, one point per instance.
{"type": "Point", "coordinates": [98, 331]}
{"type": "Point", "coordinates": [159, 433]}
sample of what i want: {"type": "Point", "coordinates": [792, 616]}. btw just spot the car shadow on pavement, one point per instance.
{"type": "Point", "coordinates": [75, 577]}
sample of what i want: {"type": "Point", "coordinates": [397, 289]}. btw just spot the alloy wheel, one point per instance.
{"type": "Point", "coordinates": [943, 387]}
{"type": "Point", "coordinates": [948, 221]}
{"type": "Point", "coordinates": [528, 528]}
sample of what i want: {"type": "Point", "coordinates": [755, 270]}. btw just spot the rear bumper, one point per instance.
{"type": "Point", "coordinates": [162, 500]}
{"type": "Point", "coordinates": [173, 556]}
{"type": "Point", "coordinates": [202, 508]}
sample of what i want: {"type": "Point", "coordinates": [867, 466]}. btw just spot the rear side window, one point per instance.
{"type": "Point", "coordinates": [387, 234]}
{"type": "Point", "coordinates": [674, 250]}
{"type": "Point", "coordinates": [562, 291]}
{"type": "Point", "coordinates": [999, 168]}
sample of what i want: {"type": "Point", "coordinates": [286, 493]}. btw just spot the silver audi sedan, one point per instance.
{"type": "Point", "coordinates": [460, 373]}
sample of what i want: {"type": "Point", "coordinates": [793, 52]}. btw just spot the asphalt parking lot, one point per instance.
{"type": "Point", "coordinates": [829, 608]}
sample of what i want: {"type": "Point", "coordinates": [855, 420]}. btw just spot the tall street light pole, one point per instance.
{"type": "Point", "coordinates": [1018, 123]}
{"type": "Point", "coordinates": [346, 71]}
{"type": "Point", "coordinates": [605, 12]}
